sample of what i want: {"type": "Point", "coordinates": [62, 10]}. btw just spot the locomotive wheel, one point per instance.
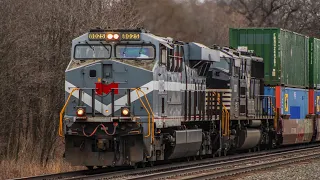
{"type": "Point", "coordinates": [89, 167]}
{"type": "Point", "coordinates": [142, 164]}
{"type": "Point", "coordinates": [217, 154]}
{"type": "Point", "coordinates": [225, 153]}
{"type": "Point", "coordinates": [151, 163]}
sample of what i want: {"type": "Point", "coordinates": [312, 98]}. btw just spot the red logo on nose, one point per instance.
{"type": "Point", "coordinates": [106, 88]}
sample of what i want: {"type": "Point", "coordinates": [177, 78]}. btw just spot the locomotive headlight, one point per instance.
{"type": "Point", "coordinates": [81, 112]}
{"type": "Point", "coordinates": [125, 111]}
{"type": "Point", "coordinates": [110, 36]}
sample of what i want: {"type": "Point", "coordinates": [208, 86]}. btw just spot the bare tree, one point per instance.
{"type": "Point", "coordinates": [35, 41]}
{"type": "Point", "coordinates": [34, 51]}
{"type": "Point", "coordinates": [205, 22]}
{"type": "Point", "coordinates": [296, 15]}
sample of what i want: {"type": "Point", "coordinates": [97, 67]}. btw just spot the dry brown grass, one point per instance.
{"type": "Point", "coordinates": [11, 169]}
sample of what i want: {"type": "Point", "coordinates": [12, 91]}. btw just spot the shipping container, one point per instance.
{"type": "Point", "coordinates": [291, 101]}
{"type": "Point", "coordinates": [285, 54]}
{"type": "Point", "coordinates": [314, 63]}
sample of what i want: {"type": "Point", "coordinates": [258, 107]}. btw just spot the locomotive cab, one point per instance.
{"type": "Point", "coordinates": [111, 64]}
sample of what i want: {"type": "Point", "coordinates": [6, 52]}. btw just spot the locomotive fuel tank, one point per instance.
{"type": "Point", "coordinates": [185, 143]}
{"type": "Point", "coordinates": [249, 138]}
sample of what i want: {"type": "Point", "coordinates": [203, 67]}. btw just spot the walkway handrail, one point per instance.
{"type": "Point", "coordinates": [62, 111]}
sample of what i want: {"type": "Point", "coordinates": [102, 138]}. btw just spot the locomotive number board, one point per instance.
{"type": "Point", "coordinates": [121, 36]}
{"type": "Point", "coordinates": [130, 36]}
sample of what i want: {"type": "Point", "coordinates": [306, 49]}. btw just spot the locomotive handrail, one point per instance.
{"type": "Point", "coordinates": [274, 110]}
{"type": "Point", "coordinates": [146, 111]}
{"type": "Point", "coordinates": [152, 115]}
{"type": "Point", "coordinates": [275, 120]}
{"type": "Point", "coordinates": [225, 117]}
{"type": "Point", "coordinates": [62, 111]}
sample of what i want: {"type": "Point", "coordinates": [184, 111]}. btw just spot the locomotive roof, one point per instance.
{"type": "Point", "coordinates": [200, 52]}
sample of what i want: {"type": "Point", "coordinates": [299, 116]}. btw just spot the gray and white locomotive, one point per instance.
{"type": "Point", "coordinates": [133, 98]}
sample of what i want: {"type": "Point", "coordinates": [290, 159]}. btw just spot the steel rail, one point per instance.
{"type": "Point", "coordinates": [118, 172]}
{"type": "Point", "coordinates": [256, 167]}
{"type": "Point", "coordinates": [218, 170]}
{"type": "Point", "coordinates": [71, 174]}
{"type": "Point", "coordinates": [165, 170]}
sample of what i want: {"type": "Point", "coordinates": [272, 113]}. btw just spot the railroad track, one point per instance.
{"type": "Point", "coordinates": [233, 167]}
{"type": "Point", "coordinates": [72, 174]}
{"type": "Point", "coordinates": [200, 169]}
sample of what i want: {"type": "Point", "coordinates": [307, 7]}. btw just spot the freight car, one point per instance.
{"type": "Point", "coordinates": [134, 98]}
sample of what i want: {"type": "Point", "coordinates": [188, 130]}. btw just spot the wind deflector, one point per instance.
{"type": "Point", "coordinates": [166, 45]}
{"type": "Point", "coordinates": [201, 57]}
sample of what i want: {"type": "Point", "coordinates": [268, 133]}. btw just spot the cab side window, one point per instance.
{"type": "Point", "coordinates": [163, 56]}
{"type": "Point", "coordinates": [171, 60]}
{"type": "Point", "coordinates": [181, 50]}
{"type": "Point", "coordinates": [175, 58]}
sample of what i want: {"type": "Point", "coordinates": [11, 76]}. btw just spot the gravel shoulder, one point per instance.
{"type": "Point", "coordinates": [307, 170]}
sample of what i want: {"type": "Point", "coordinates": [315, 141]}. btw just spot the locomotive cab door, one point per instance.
{"type": "Point", "coordinates": [234, 85]}
{"type": "Point", "coordinates": [162, 81]}
{"type": "Point", "coordinates": [243, 89]}
{"type": "Point", "coordinates": [174, 80]}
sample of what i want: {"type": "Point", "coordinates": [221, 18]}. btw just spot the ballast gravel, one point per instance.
{"type": "Point", "coordinates": [307, 170]}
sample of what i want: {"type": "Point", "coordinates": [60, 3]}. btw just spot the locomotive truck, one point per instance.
{"type": "Point", "coordinates": [135, 98]}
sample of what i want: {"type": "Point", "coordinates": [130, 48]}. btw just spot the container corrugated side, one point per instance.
{"type": "Point", "coordinates": [294, 101]}
{"type": "Point", "coordinates": [264, 43]}
{"type": "Point", "coordinates": [314, 63]}
{"type": "Point", "coordinates": [294, 50]}
{"type": "Point", "coordinates": [285, 53]}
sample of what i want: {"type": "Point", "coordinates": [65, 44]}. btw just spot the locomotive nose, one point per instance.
{"type": "Point", "coordinates": [115, 88]}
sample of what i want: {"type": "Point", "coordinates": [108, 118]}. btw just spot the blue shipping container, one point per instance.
{"type": "Point", "coordinates": [294, 101]}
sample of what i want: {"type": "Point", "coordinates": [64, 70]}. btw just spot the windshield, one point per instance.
{"type": "Point", "coordinates": [92, 51]}
{"type": "Point", "coordinates": [135, 52]}
{"type": "Point", "coordinates": [222, 65]}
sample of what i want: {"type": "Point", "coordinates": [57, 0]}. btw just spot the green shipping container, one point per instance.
{"type": "Point", "coordinates": [314, 63]}
{"type": "Point", "coordinates": [285, 53]}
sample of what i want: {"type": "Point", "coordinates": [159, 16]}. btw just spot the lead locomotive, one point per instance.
{"type": "Point", "coordinates": [133, 98]}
